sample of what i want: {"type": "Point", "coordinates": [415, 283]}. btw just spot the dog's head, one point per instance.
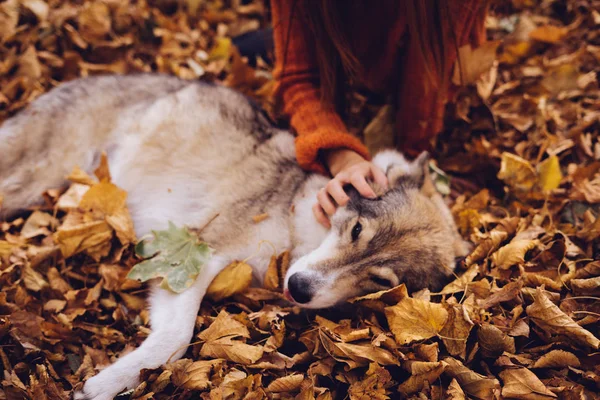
{"type": "Point", "coordinates": [406, 235]}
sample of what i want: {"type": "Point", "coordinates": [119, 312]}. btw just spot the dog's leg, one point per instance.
{"type": "Point", "coordinates": [172, 318]}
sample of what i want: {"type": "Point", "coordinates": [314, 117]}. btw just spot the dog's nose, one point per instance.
{"type": "Point", "coordinates": [299, 288]}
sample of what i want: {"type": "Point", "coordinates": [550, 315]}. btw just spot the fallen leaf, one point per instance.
{"type": "Point", "coordinates": [513, 253]}
{"type": "Point", "coordinates": [286, 384]}
{"type": "Point", "coordinates": [413, 319]}
{"type": "Point", "coordinates": [235, 278]}
{"type": "Point", "coordinates": [517, 172]}
{"type": "Point", "coordinates": [552, 319]}
{"type": "Point", "coordinates": [521, 383]}
{"type": "Point", "coordinates": [177, 257]}
{"type": "Point", "coordinates": [474, 384]}
{"type": "Point", "coordinates": [557, 359]}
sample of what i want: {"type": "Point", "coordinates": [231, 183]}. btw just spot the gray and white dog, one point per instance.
{"type": "Point", "coordinates": [186, 151]}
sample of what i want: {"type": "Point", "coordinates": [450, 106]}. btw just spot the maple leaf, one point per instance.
{"type": "Point", "coordinates": [177, 257]}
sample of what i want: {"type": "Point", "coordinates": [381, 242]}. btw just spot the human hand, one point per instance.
{"type": "Point", "coordinates": [347, 167]}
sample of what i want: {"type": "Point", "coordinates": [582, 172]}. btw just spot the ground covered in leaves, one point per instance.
{"type": "Point", "coordinates": [522, 149]}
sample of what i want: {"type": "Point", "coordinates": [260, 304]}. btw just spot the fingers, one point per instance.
{"type": "Point", "coordinates": [336, 191]}
{"type": "Point", "coordinates": [379, 176]}
{"type": "Point", "coordinates": [360, 183]}
{"type": "Point", "coordinates": [321, 216]}
{"type": "Point", "coordinates": [325, 201]}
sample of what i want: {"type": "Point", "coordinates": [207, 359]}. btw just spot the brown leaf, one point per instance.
{"type": "Point", "coordinates": [549, 33]}
{"type": "Point", "coordinates": [232, 350]}
{"type": "Point", "coordinates": [471, 64]}
{"type": "Point", "coordinates": [413, 319]}
{"type": "Point", "coordinates": [590, 286]}
{"type": "Point", "coordinates": [94, 21]}
{"type": "Point", "coordinates": [421, 372]}
{"type": "Point", "coordinates": [9, 17]}
{"type": "Point", "coordinates": [454, 391]}
{"type": "Point", "coordinates": [557, 359]}
{"type": "Point", "coordinates": [32, 279]}
{"type": "Point", "coordinates": [521, 383]}
{"type": "Point", "coordinates": [549, 317]}
{"type": "Point", "coordinates": [456, 330]}
{"type": "Point", "coordinates": [517, 172]}
{"type": "Point", "coordinates": [513, 253]}
{"type": "Point", "coordinates": [493, 342]}
{"type": "Point", "coordinates": [235, 278]}
{"type": "Point", "coordinates": [474, 384]}
{"type": "Point", "coordinates": [286, 384]}
{"type": "Point", "coordinates": [224, 325]}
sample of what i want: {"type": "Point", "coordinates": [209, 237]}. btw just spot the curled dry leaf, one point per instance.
{"type": "Point", "coordinates": [454, 391]}
{"type": "Point", "coordinates": [513, 253]}
{"type": "Point", "coordinates": [493, 342]}
{"type": "Point", "coordinates": [474, 384]}
{"type": "Point", "coordinates": [521, 383]}
{"type": "Point", "coordinates": [286, 384]}
{"type": "Point", "coordinates": [557, 359]}
{"type": "Point", "coordinates": [456, 330]}
{"type": "Point", "coordinates": [421, 372]}
{"type": "Point", "coordinates": [553, 320]}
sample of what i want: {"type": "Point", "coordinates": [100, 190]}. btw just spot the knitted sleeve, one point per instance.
{"type": "Point", "coordinates": [317, 125]}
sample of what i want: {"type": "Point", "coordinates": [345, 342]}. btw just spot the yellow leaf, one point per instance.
{"type": "Point", "coordinates": [78, 175]}
{"type": "Point", "coordinates": [108, 199]}
{"type": "Point", "coordinates": [513, 53]}
{"type": "Point", "coordinates": [94, 236]}
{"type": "Point", "coordinates": [6, 248]}
{"type": "Point", "coordinates": [413, 319]}
{"type": "Point", "coordinates": [221, 49]}
{"type": "Point", "coordinates": [548, 33]}
{"type": "Point", "coordinates": [235, 278]}
{"type": "Point", "coordinates": [517, 172]}
{"type": "Point", "coordinates": [103, 172]}
{"type": "Point", "coordinates": [549, 173]}
{"type": "Point", "coordinates": [197, 374]}
{"type": "Point", "coordinates": [513, 253]}
{"type": "Point", "coordinates": [104, 197]}
{"type": "Point", "coordinates": [224, 325]}
{"type": "Point", "coordinates": [232, 350]}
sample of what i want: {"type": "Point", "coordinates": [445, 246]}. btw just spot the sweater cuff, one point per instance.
{"type": "Point", "coordinates": [309, 146]}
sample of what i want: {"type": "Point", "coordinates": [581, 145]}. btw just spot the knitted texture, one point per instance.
{"type": "Point", "coordinates": [318, 127]}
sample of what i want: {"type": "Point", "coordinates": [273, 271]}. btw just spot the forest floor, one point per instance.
{"type": "Point", "coordinates": [521, 147]}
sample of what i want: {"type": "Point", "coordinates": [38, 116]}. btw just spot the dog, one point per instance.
{"type": "Point", "coordinates": [186, 151]}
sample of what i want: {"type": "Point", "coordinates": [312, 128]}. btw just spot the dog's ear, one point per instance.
{"type": "Point", "coordinates": [400, 171]}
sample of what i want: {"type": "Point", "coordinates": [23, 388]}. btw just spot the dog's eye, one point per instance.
{"type": "Point", "coordinates": [356, 231]}
{"type": "Point", "coordinates": [381, 281]}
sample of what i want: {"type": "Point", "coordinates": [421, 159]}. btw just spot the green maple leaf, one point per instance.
{"type": "Point", "coordinates": [174, 254]}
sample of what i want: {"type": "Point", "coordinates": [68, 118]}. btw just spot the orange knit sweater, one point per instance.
{"type": "Point", "coordinates": [317, 125]}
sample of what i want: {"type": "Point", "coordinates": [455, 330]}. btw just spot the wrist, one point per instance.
{"type": "Point", "coordinates": [338, 159]}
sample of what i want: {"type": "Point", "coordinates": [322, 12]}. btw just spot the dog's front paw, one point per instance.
{"type": "Point", "coordinates": [93, 390]}
{"type": "Point", "coordinates": [100, 388]}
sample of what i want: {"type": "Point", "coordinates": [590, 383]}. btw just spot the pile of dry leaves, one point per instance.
{"type": "Point", "coordinates": [522, 145]}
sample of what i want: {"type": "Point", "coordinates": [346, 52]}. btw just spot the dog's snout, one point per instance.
{"type": "Point", "coordinates": [299, 287]}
